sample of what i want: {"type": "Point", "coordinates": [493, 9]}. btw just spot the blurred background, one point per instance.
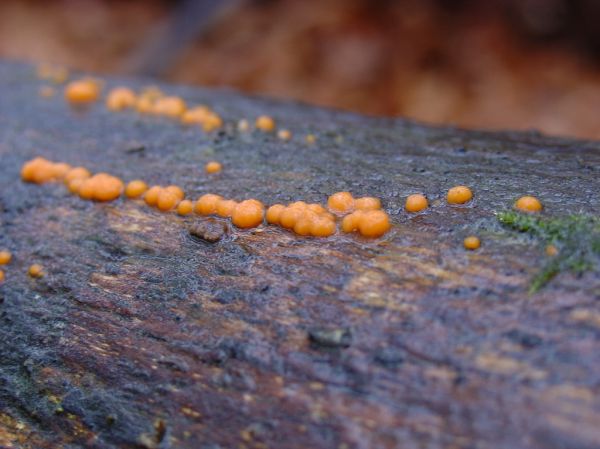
{"type": "Point", "coordinates": [521, 64]}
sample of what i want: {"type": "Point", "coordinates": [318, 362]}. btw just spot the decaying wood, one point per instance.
{"type": "Point", "coordinates": [141, 335]}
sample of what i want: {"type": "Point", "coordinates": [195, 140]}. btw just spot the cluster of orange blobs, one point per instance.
{"type": "Point", "coordinates": [244, 214]}
{"type": "Point", "coordinates": [306, 219]}
{"type": "Point", "coordinates": [79, 180]}
{"type": "Point", "coordinates": [150, 101]}
{"type": "Point", "coordinates": [153, 101]}
{"type": "Point", "coordinates": [99, 187]}
{"type": "Point", "coordinates": [40, 170]}
{"type": "Point", "coordinates": [362, 215]}
{"type": "Point", "coordinates": [302, 218]}
{"type": "Point", "coordinates": [456, 195]}
{"type": "Point", "coordinates": [35, 270]}
{"type": "Point", "coordinates": [460, 195]}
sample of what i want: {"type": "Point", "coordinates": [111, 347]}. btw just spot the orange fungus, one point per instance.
{"type": "Point", "coordinates": [528, 204]}
{"type": "Point", "coordinates": [341, 202]}
{"type": "Point", "coordinates": [472, 242]}
{"type": "Point", "coordinates": [248, 214]}
{"type": "Point", "coordinates": [459, 195]}
{"type": "Point", "coordinates": [213, 167]}
{"type": "Point", "coordinates": [374, 223]}
{"type": "Point", "coordinates": [151, 196]}
{"type": "Point", "coordinates": [225, 208]}
{"type": "Point", "coordinates": [207, 204]}
{"type": "Point", "coordinates": [416, 203]}
{"type": "Point", "coordinates": [185, 207]}
{"type": "Point", "coordinates": [5, 257]}
{"type": "Point", "coordinates": [136, 188]}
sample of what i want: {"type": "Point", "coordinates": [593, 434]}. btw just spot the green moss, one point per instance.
{"type": "Point", "coordinates": [577, 238]}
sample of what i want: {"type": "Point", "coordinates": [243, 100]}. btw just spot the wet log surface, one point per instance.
{"type": "Point", "coordinates": [141, 335]}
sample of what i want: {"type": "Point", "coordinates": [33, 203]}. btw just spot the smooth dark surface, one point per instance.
{"type": "Point", "coordinates": [141, 335]}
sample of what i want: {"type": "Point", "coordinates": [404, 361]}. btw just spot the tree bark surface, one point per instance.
{"type": "Point", "coordinates": [141, 335]}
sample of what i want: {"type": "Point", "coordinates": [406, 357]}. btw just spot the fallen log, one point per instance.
{"type": "Point", "coordinates": [141, 335]}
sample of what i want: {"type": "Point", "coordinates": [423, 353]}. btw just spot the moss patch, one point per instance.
{"type": "Point", "coordinates": [577, 238]}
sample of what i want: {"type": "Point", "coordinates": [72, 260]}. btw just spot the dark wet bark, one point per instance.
{"type": "Point", "coordinates": [141, 335]}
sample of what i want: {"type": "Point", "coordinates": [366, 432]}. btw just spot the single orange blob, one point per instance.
{"type": "Point", "coordinates": [38, 170]}
{"type": "Point", "coordinates": [472, 242]}
{"type": "Point", "coordinates": [87, 189]}
{"type": "Point", "coordinates": [107, 188]}
{"type": "Point", "coordinates": [5, 257]}
{"type": "Point", "coordinates": [551, 250]}
{"type": "Point", "coordinates": [265, 123]}
{"type": "Point", "coordinates": [35, 271]}
{"type": "Point", "coordinates": [322, 227]}
{"type": "Point", "coordinates": [459, 195]}
{"type": "Point", "coordinates": [151, 196]}
{"type": "Point", "coordinates": [101, 187]}
{"type": "Point", "coordinates": [120, 98]}
{"type": "Point", "coordinates": [374, 223]}
{"type": "Point", "coordinates": [351, 221]}
{"type": "Point", "coordinates": [212, 122]}
{"type": "Point", "coordinates": [528, 204]}
{"type": "Point", "coordinates": [75, 184]}
{"type": "Point", "coordinates": [248, 214]}
{"type": "Point", "coordinates": [367, 203]}
{"type": "Point", "coordinates": [77, 173]}
{"type": "Point", "coordinates": [213, 167]}
{"type": "Point", "coordinates": [274, 213]}
{"type": "Point", "coordinates": [177, 191]}
{"type": "Point", "coordinates": [135, 188]}
{"type": "Point", "coordinates": [44, 173]}
{"type": "Point", "coordinates": [185, 207]}
{"type": "Point", "coordinates": [225, 208]}
{"type": "Point", "coordinates": [289, 216]}
{"type": "Point", "coordinates": [82, 91]}
{"type": "Point", "coordinates": [29, 169]}
{"type": "Point", "coordinates": [207, 204]}
{"type": "Point", "coordinates": [166, 200]}
{"type": "Point", "coordinates": [341, 202]}
{"type": "Point", "coordinates": [170, 106]}
{"type": "Point", "coordinates": [310, 139]}
{"type": "Point", "coordinates": [416, 203]}
{"type": "Point", "coordinates": [284, 134]}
